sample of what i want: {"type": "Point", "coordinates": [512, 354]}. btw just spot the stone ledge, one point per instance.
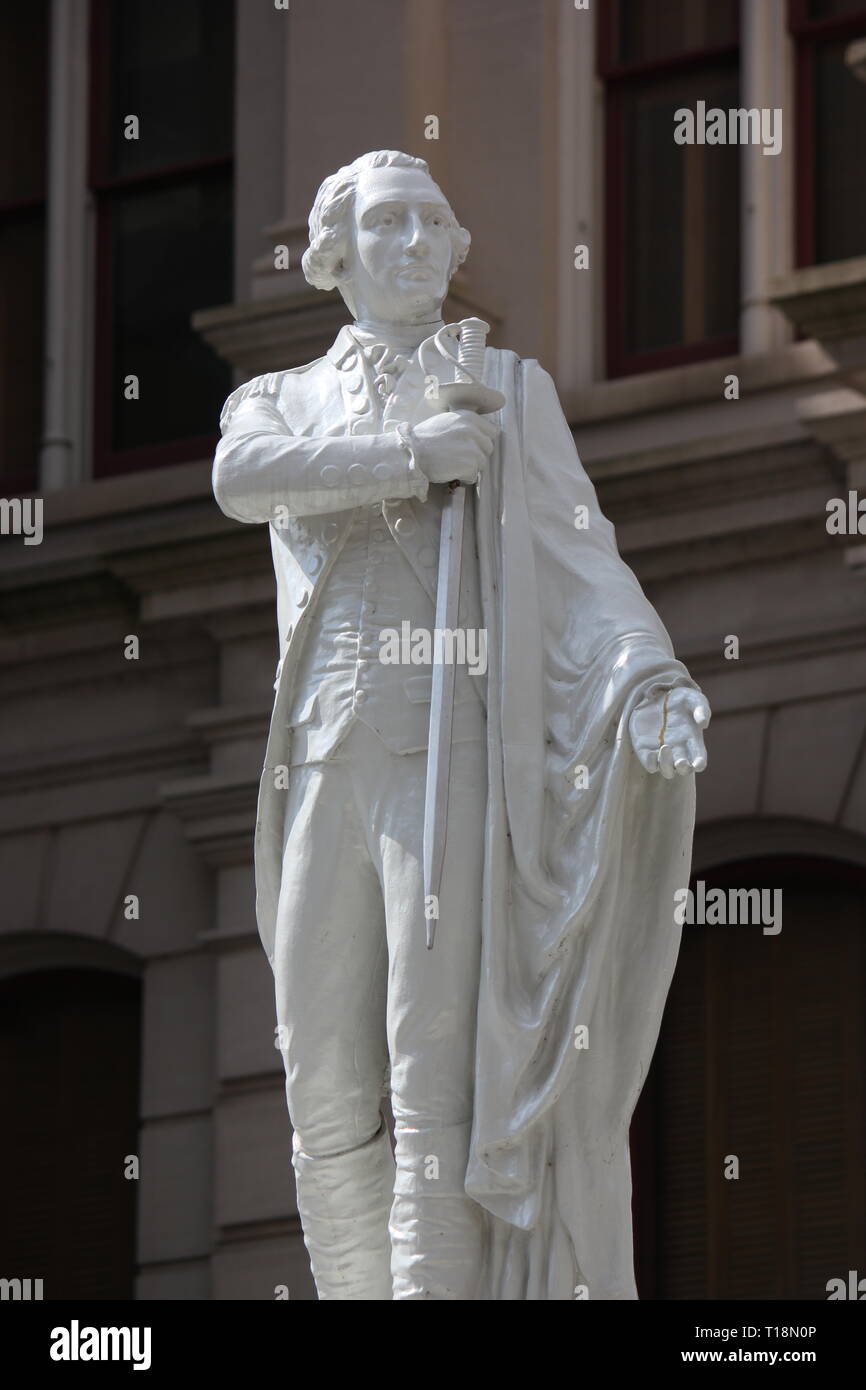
{"type": "Point", "coordinates": [695, 383]}
{"type": "Point", "coordinates": [218, 816]}
{"type": "Point", "coordinates": [827, 302]}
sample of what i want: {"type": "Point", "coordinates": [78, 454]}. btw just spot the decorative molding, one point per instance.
{"type": "Point", "coordinates": [229, 723]}
{"type": "Point", "coordinates": [269, 335]}
{"type": "Point", "coordinates": [218, 816]}
{"type": "Point", "coordinates": [696, 383]}
{"type": "Point", "coordinates": [827, 302]}
{"type": "Point", "coordinates": [22, 954]}
{"type": "Point", "coordinates": [138, 751]}
{"type": "Point", "coordinates": [252, 1233]}
{"type": "Point", "coordinates": [760, 837]}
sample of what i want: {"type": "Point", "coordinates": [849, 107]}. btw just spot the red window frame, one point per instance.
{"type": "Point", "coordinates": [617, 77]}
{"type": "Point", "coordinates": [26, 480]}
{"type": "Point", "coordinates": [34, 207]}
{"type": "Point", "coordinates": [108, 461]}
{"type": "Point", "coordinates": [807, 34]}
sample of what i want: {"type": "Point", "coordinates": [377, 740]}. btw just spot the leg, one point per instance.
{"type": "Point", "coordinates": [330, 976]}
{"type": "Point", "coordinates": [437, 1232]}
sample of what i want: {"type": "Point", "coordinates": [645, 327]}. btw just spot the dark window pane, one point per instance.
{"type": "Point", "coordinates": [69, 1068]}
{"type": "Point", "coordinates": [172, 67]}
{"type": "Point", "coordinates": [22, 254]}
{"type": "Point", "coordinates": [171, 252]}
{"type": "Point", "coordinates": [835, 9]}
{"type": "Point", "coordinates": [801, 1222]}
{"type": "Point", "coordinates": [663, 28]}
{"type": "Point", "coordinates": [681, 214]}
{"type": "Point", "coordinates": [23, 105]}
{"type": "Point", "coordinates": [839, 173]}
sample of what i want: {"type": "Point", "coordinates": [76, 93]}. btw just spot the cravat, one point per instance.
{"type": "Point", "coordinates": [389, 359]}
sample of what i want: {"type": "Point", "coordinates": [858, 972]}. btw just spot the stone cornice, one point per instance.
{"type": "Point", "coordinates": [696, 383]}
{"type": "Point", "coordinates": [227, 723]}
{"type": "Point", "coordinates": [827, 302]}
{"type": "Point", "coordinates": [218, 815]}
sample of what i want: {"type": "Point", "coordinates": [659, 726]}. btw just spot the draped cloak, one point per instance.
{"type": "Point", "coordinates": [579, 880]}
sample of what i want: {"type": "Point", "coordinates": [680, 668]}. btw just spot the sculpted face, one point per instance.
{"type": "Point", "coordinates": [397, 267]}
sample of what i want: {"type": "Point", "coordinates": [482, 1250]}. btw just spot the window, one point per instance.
{"type": "Point", "coordinates": [761, 1055]}
{"type": "Point", "coordinates": [23, 120]}
{"type": "Point", "coordinates": [831, 131]}
{"type": "Point", "coordinates": [164, 224]}
{"type": "Point", "coordinates": [69, 1077]}
{"type": "Point", "coordinates": [672, 211]}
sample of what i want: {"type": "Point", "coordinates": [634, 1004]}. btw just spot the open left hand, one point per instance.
{"type": "Point", "coordinates": [667, 731]}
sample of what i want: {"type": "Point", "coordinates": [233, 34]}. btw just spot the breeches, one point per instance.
{"type": "Point", "coordinates": [356, 986]}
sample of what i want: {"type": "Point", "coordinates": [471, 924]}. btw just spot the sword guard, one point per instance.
{"type": "Point", "coordinates": [470, 395]}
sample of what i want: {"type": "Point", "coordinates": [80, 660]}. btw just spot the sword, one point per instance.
{"type": "Point", "coordinates": [467, 392]}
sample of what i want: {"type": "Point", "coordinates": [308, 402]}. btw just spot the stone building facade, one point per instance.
{"type": "Point", "coordinates": [717, 426]}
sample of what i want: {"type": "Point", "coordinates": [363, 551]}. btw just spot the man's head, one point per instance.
{"type": "Point", "coordinates": [384, 234]}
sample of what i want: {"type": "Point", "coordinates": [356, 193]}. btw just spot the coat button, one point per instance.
{"type": "Point", "coordinates": [360, 697]}
{"type": "Point", "coordinates": [303, 599]}
{"type": "Point", "coordinates": [330, 531]}
{"type": "Point", "coordinates": [330, 475]}
{"type": "Point", "coordinates": [383, 471]}
{"type": "Point", "coordinates": [360, 407]}
{"type": "Point", "coordinates": [314, 564]}
{"type": "Point", "coordinates": [355, 384]}
{"type": "Point", "coordinates": [357, 473]}
{"type": "Point", "coordinates": [404, 525]}
{"type": "Point", "coordinates": [362, 427]}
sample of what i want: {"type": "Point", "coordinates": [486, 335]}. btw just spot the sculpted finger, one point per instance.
{"type": "Point", "coordinates": [648, 758]}
{"type": "Point", "coordinates": [697, 753]}
{"type": "Point", "coordinates": [682, 766]}
{"type": "Point", "coordinates": [701, 714]}
{"type": "Point", "coordinates": [666, 761]}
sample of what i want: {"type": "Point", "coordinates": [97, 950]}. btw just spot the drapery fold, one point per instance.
{"type": "Point", "coordinates": [579, 880]}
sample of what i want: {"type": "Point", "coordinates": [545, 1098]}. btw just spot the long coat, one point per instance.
{"type": "Point", "coordinates": [584, 850]}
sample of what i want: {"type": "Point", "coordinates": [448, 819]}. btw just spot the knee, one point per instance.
{"type": "Point", "coordinates": [331, 1118]}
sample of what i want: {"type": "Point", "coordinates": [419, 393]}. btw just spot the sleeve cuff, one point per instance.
{"type": "Point", "coordinates": [415, 480]}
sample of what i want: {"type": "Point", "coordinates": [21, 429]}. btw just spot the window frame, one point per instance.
{"type": "Point", "coordinates": [806, 34]}
{"type": "Point", "coordinates": [26, 481]}
{"type": "Point", "coordinates": [617, 77]}
{"type": "Point", "coordinates": [103, 186]}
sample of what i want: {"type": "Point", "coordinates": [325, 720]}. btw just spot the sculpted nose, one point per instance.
{"type": "Point", "coordinates": [418, 243]}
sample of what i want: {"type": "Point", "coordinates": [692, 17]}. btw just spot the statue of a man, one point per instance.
{"type": "Point", "coordinates": [515, 1050]}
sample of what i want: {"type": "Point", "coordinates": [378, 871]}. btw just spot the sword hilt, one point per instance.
{"type": "Point", "coordinates": [470, 350]}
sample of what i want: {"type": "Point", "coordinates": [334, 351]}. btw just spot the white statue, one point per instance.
{"type": "Point", "coordinates": [518, 1045]}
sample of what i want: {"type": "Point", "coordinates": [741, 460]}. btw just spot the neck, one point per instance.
{"type": "Point", "coordinates": [404, 334]}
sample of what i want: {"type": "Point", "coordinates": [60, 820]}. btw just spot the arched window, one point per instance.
{"type": "Point", "coordinates": [761, 1058]}
{"type": "Point", "coordinates": [69, 1079]}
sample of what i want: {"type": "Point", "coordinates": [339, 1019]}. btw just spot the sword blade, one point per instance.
{"type": "Point", "coordinates": [442, 705]}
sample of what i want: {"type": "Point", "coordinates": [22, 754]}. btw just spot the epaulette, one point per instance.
{"type": "Point", "coordinates": [267, 385]}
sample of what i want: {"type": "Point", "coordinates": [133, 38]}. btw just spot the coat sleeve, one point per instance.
{"type": "Point", "coordinates": [261, 470]}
